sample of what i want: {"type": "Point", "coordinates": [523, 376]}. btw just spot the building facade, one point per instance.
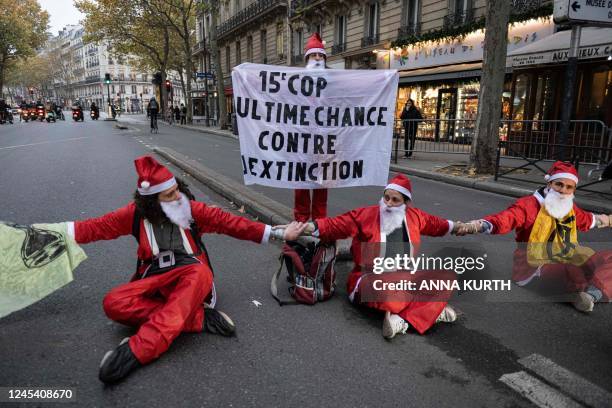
{"type": "Point", "coordinates": [80, 69]}
{"type": "Point", "coordinates": [437, 47]}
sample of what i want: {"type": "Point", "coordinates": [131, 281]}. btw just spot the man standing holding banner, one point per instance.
{"type": "Point", "coordinates": [314, 128]}
{"type": "Point", "coordinates": [304, 207]}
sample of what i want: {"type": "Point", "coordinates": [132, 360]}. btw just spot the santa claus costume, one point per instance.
{"type": "Point", "coordinates": [372, 227]}
{"type": "Point", "coordinates": [546, 225]}
{"type": "Point", "coordinates": [305, 207]}
{"type": "Point", "coordinates": [174, 278]}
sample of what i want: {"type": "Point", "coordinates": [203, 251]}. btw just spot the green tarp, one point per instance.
{"type": "Point", "coordinates": [35, 260]}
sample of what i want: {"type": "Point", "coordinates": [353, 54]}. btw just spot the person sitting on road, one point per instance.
{"type": "Point", "coordinates": [548, 253]}
{"type": "Point", "coordinates": [393, 223]}
{"type": "Point", "coordinates": [172, 291]}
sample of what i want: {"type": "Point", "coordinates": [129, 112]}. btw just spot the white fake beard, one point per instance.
{"type": "Point", "coordinates": [314, 64]}
{"type": "Point", "coordinates": [179, 211]}
{"type": "Point", "coordinates": [391, 218]}
{"type": "Point", "coordinates": [556, 205]}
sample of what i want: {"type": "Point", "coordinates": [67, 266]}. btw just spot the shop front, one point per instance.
{"type": "Point", "coordinates": [538, 87]}
{"type": "Point", "coordinates": [443, 80]}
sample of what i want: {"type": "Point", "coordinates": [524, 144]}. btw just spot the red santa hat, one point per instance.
{"type": "Point", "coordinates": [153, 177]}
{"type": "Point", "coordinates": [562, 170]}
{"type": "Point", "coordinates": [314, 44]}
{"type": "Point", "coordinates": [401, 183]}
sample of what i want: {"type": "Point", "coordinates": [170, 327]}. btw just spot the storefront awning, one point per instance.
{"type": "Point", "coordinates": [595, 42]}
{"type": "Point", "coordinates": [455, 71]}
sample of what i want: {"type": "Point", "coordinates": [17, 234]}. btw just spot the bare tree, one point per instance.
{"type": "Point", "coordinates": [484, 145]}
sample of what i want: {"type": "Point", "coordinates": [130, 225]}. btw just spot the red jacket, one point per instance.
{"type": "Point", "coordinates": [521, 216]}
{"type": "Point", "coordinates": [208, 219]}
{"type": "Point", "coordinates": [363, 225]}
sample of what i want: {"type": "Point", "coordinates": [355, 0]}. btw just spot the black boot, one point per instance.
{"type": "Point", "coordinates": [117, 364]}
{"type": "Point", "coordinates": [218, 322]}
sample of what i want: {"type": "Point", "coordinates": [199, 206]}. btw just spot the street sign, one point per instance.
{"type": "Point", "coordinates": [204, 75]}
{"type": "Point", "coordinates": [591, 12]}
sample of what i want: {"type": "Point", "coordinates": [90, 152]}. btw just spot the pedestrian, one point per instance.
{"type": "Point", "coordinates": [177, 113]}
{"type": "Point", "coordinates": [305, 207]}
{"type": "Point", "coordinates": [548, 254]}
{"type": "Point", "coordinates": [411, 117]}
{"type": "Point", "coordinates": [173, 290]}
{"type": "Point", "coordinates": [183, 114]}
{"type": "Point", "coordinates": [393, 220]}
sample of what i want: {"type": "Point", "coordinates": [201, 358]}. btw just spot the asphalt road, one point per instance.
{"type": "Point", "coordinates": [331, 354]}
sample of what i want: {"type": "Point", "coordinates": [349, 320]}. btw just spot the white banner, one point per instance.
{"type": "Point", "coordinates": [314, 128]}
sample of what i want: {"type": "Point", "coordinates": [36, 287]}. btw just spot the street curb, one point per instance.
{"type": "Point", "coordinates": [488, 186]}
{"type": "Point", "coordinates": [266, 210]}
{"type": "Point", "coordinates": [493, 187]}
{"type": "Point", "coordinates": [216, 132]}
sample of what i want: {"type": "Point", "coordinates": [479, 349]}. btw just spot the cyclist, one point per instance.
{"type": "Point", "coordinates": [153, 108]}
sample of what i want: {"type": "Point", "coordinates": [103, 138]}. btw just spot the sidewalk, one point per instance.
{"type": "Point", "coordinates": [450, 168]}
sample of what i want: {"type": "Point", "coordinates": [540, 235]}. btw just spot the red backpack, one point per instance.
{"type": "Point", "coordinates": [311, 272]}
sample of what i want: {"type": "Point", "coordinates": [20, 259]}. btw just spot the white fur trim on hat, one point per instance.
{"type": "Point", "coordinates": [147, 189]}
{"type": "Point", "coordinates": [399, 188]}
{"type": "Point", "coordinates": [555, 176]}
{"type": "Point", "coordinates": [313, 50]}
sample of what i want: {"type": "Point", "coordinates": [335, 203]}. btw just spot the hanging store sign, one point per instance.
{"type": "Point", "coordinates": [558, 56]}
{"type": "Point", "coordinates": [468, 49]}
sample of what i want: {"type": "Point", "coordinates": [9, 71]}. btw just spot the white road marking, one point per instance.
{"type": "Point", "coordinates": [50, 141]}
{"type": "Point", "coordinates": [572, 384]}
{"type": "Point", "coordinates": [256, 302]}
{"type": "Point", "coordinates": [538, 392]}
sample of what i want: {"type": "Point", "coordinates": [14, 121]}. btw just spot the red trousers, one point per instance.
{"type": "Point", "coordinates": [420, 313]}
{"type": "Point", "coordinates": [304, 209]}
{"type": "Point", "coordinates": [161, 307]}
{"type": "Point", "coordinates": [596, 271]}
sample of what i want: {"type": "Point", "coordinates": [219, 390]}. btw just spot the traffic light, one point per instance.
{"type": "Point", "coordinates": [168, 85]}
{"type": "Point", "coordinates": [107, 78]}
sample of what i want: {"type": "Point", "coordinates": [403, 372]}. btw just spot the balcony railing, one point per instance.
{"type": "Point", "coordinates": [200, 47]}
{"type": "Point", "coordinates": [409, 30]}
{"type": "Point", "coordinates": [370, 40]}
{"type": "Point", "coordinates": [459, 18]}
{"type": "Point", "coordinates": [297, 6]}
{"type": "Point", "coordinates": [338, 48]}
{"type": "Point", "coordinates": [248, 14]}
{"type": "Point", "coordinates": [518, 7]}
{"type": "Point", "coordinates": [297, 59]}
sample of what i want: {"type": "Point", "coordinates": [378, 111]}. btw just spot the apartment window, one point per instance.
{"type": "Point", "coordinates": [263, 45]}
{"type": "Point", "coordinates": [133, 89]}
{"type": "Point", "coordinates": [410, 18]}
{"type": "Point", "coordinates": [145, 90]}
{"type": "Point", "coordinates": [227, 59]}
{"type": "Point", "coordinates": [122, 88]}
{"type": "Point", "coordinates": [237, 6]}
{"type": "Point", "coordinates": [122, 76]}
{"type": "Point", "coordinates": [459, 12]}
{"type": "Point", "coordinates": [317, 28]}
{"type": "Point", "coordinates": [373, 19]}
{"type": "Point", "coordinates": [238, 53]}
{"type": "Point", "coordinates": [340, 31]}
{"type": "Point", "coordinates": [145, 77]}
{"type": "Point", "coordinates": [280, 45]}
{"type": "Point", "coordinates": [249, 50]}
{"type": "Point", "coordinates": [112, 89]}
{"type": "Point", "coordinates": [298, 42]}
